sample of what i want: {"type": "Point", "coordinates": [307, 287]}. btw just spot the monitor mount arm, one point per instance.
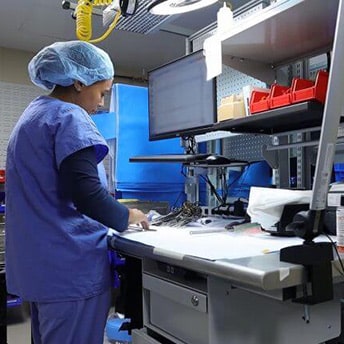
{"type": "Point", "coordinates": [315, 257]}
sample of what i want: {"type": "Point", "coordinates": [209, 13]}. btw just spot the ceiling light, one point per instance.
{"type": "Point", "coordinates": [168, 7]}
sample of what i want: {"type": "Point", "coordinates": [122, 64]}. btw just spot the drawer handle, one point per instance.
{"type": "Point", "coordinates": [194, 300]}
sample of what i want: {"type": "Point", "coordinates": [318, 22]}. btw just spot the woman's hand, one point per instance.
{"type": "Point", "coordinates": [138, 217]}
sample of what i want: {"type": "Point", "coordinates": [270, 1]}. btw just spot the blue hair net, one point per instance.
{"type": "Point", "coordinates": [64, 62]}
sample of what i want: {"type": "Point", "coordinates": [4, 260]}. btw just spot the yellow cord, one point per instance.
{"type": "Point", "coordinates": [83, 13]}
{"type": "Point", "coordinates": [109, 30]}
{"type": "Point", "coordinates": [102, 2]}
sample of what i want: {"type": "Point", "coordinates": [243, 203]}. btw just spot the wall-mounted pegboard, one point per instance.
{"type": "Point", "coordinates": [231, 81]}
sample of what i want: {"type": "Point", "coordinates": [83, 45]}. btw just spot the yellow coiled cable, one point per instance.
{"type": "Point", "coordinates": [83, 13]}
{"type": "Point", "coordinates": [102, 2]}
{"type": "Point", "coordinates": [109, 30]}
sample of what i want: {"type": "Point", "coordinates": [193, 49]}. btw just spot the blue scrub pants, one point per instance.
{"type": "Point", "coordinates": [73, 322]}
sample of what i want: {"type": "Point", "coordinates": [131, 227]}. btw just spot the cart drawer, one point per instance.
{"type": "Point", "coordinates": [179, 311]}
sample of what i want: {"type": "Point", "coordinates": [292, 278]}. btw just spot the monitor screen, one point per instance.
{"type": "Point", "coordinates": [181, 101]}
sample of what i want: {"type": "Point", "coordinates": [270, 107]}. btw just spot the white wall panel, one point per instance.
{"type": "Point", "coordinates": [13, 100]}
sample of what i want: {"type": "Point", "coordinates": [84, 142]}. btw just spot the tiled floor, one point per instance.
{"type": "Point", "coordinates": [18, 326]}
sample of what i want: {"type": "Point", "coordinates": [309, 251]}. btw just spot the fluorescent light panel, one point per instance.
{"type": "Point", "coordinates": [169, 7]}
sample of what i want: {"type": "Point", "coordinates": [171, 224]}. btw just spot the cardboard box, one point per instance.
{"type": "Point", "coordinates": [230, 108]}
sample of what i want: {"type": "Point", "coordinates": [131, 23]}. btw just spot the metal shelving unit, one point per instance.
{"type": "Point", "coordinates": [284, 32]}
{"type": "Point", "coordinates": [280, 120]}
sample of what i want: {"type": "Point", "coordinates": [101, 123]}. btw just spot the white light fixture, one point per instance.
{"type": "Point", "coordinates": [168, 7]}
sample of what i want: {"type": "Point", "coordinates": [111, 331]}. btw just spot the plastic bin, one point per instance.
{"type": "Point", "coordinates": [306, 90]}
{"type": "Point", "coordinates": [259, 101]}
{"type": "Point", "coordinates": [114, 333]}
{"type": "Point", "coordinates": [279, 96]}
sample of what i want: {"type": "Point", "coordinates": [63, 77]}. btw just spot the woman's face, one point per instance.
{"type": "Point", "coordinates": [90, 98]}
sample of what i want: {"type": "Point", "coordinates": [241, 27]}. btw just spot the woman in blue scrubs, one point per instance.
{"type": "Point", "coordinates": [57, 210]}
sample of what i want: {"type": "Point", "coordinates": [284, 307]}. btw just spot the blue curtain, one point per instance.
{"type": "Point", "coordinates": [155, 181]}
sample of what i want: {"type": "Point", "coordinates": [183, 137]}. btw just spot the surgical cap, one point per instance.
{"type": "Point", "coordinates": [64, 62]}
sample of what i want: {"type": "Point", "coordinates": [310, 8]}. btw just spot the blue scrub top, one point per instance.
{"type": "Point", "coordinates": [53, 252]}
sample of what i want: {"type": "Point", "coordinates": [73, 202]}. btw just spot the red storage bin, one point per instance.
{"type": "Point", "coordinates": [259, 101]}
{"type": "Point", "coordinates": [2, 176]}
{"type": "Point", "coordinates": [279, 96]}
{"type": "Point", "coordinates": [304, 90]}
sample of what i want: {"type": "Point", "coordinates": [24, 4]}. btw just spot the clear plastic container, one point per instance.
{"type": "Point", "coordinates": [224, 19]}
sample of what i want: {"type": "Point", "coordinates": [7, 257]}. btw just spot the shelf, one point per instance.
{"type": "Point", "coordinates": [183, 158]}
{"type": "Point", "coordinates": [285, 31]}
{"type": "Point", "coordinates": [288, 118]}
{"type": "Point", "coordinates": [196, 160]}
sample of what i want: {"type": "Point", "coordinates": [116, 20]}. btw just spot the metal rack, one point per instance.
{"type": "Point", "coordinates": [283, 32]}
{"type": "Point", "coordinates": [280, 34]}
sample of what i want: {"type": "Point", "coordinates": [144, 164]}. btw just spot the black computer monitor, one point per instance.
{"type": "Point", "coordinates": [182, 102]}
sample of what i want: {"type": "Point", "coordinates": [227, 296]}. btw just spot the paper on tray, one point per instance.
{"type": "Point", "coordinates": [266, 205]}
